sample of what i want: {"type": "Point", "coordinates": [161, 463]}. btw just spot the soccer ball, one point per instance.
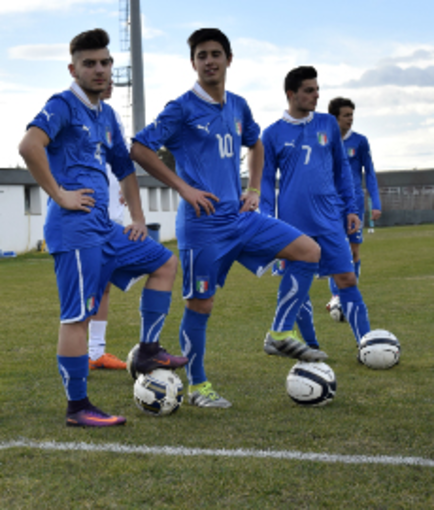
{"type": "Point", "coordinates": [336, 312]}
{"type": "Point", "coordinates": [131, 361]}
{"type": "Point", "coordinates": [311, 383]}
{"type": "Point", "coordinates": [379, 349]}
{"type": "Point", "coordinates": [158, 393]}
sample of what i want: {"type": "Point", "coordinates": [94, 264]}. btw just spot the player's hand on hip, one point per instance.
{"type": "Point", "coordinates": [76, 200]}
{"type": "Point", "coordinates": [250, 201]}
{"type": "Point", "coordinates": [353, 223]}
{"type": "Point", "coordinates": [200, 200]}
{"type": "Point", "coordinates": [136, 231]}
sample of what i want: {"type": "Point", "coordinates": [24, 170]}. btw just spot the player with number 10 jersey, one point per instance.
{"type": "Point", "coordinates": [205, 139]}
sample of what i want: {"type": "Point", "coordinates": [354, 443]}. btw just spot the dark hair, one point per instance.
{"type": "Point", "coordinates": [296, 76]}
{"type": "Point", "coordinates": [91, 40]}
{"type": "Point", "coordinates": [208, 34]}
{"type": "Point", "coordinates": [337, 103]}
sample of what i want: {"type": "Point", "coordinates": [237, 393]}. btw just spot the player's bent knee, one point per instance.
{"type": "Point", "coordinates": [169, 268]}
{"type": "Point", "coordinates": [303, 248]}
{"type": "Point", "coordinates": [345, 280]}
{"type": "Point", "coordinates": [203, 306]}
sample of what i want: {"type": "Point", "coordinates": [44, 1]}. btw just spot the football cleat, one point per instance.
{"type": "Point", "coordinates": [291, 347]}
{"type": "Point", "coordinates": [333, 301]}
{"type": "Point", "coordinates": [161, 359]}
{"type": "Point", "coordinates": [93, 417]}
{"type": "Point", "coordinates": [108, 361]}
{"type": "Point", "coordinates": [203, 395]}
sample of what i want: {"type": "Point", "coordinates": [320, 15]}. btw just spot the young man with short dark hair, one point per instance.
{"type": "Point", "coordinates": [359, 155]}
{"type": "Point", "coordinates": [66, 148]}
{"type": "Point", "coordinates": [216, 222]}
{"type": "Point", "coordinates": [315, 179]}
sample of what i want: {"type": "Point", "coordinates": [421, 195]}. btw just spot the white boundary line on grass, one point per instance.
{"type": "Point", "coordinates": [191, 452]}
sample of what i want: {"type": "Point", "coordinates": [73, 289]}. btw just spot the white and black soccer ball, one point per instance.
{"type": "Point", "coordinates": [158, 393]}
{"type": "Point", "coordinates": [379, 349]}
{"type": "Point", "coordinates": [131, 361]}
{"type": "Point", "coordinates": [311, 383]}
{"type": "Point", "coordinates": [336, 312]}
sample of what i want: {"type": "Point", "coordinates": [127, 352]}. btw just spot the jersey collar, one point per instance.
{"type": "Point", "coordinates": [287, 118]}
{"type": "Point", "coordinates": [347, 135]}
{"type": "Point", "coordinates": [80, 94]}
{"type": "Point", "coordinates": [198, 90]}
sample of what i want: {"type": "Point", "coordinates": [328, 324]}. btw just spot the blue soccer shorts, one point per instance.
{"type": "Point", "coordinates": [336, 257]}
{"type": "Point", "coordinates": [83, 274]}
{"type": "Point", "coordinates": [253, 240]}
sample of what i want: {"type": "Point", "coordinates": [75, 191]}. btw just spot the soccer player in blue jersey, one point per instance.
{"type": "Point", "coordinates": [217, 223]}
{"type": "Point", "coordinates": [359, 156]}
{"type": "Point", "coordinates": [315, 179]}
{"type": "Point", "coordinates": [66, 148]}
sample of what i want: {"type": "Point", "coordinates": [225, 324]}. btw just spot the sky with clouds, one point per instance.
{"type": "Point", "coordinates": [380, 53]}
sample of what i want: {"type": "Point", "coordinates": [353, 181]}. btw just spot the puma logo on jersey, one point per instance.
{"type": "Point", "coordinates": [205, 128]}
{"type": "Point", "coordinates": [48, 115]}
{"type": "Point", "coordinates": [85, 128]}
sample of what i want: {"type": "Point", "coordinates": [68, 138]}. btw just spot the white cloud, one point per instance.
{"type": "Point", "coordinates": [40, 52]}
{"type": "Point", "coordinates": [149, 32]}
{"type": "Point", "coordinates": [396, 119]}
{"type": "Point", "coordinates": [23, 6]}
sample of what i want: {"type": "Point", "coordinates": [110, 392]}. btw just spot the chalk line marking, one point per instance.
{"type": "Point", "coordinates": [197, 452]}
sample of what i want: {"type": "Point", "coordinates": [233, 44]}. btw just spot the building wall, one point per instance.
{"type": "Point", "coordinates": [23, 207]}
{"type": "Point", "coordinates": [407, 198]}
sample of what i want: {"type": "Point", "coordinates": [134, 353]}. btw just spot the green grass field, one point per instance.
{"type": "Point", "coordinates": [375, 413]}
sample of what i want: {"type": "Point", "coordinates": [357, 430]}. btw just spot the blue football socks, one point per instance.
{"type": "Point", "coordinates": [293, 289]}
{"type": "Point", "coordinates": [355, 311]}
{"type": "Point", "coordinates": [192, 338]}
{"type": "Point", "coordinates": [74, 372]}
{"type": "Point", "coordinates": [154, 307]}
{"type": "Point", "coordinates": [306, 325]}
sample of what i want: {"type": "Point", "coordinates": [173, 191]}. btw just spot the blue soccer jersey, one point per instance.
{"type": "Point", "coordinates": [359, 156]}
{"type": "Point", "coordinates": [314, 173]}
{"type": "Point", "coordinates": [205, 139]}
{"type": "Point", "coordinates": [83, 139]}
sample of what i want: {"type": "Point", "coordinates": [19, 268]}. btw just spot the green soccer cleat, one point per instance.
{"type": "Point", "coordinates": [291, 347]}
{"type": "Point", "coordinates": [203, 395]}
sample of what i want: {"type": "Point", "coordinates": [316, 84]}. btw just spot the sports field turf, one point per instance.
{"type": "Point", "coordinates": [371, 448]}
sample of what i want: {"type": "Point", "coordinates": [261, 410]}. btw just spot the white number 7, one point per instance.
{"type": "Point", "coordinates": [308, 151]}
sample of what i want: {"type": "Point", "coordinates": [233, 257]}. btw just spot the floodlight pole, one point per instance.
{"type": "Point", "coordinates": [138, 88]}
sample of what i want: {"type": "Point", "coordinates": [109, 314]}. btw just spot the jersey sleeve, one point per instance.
{"type": "Point", "coordinates": [164, 130]}
{"type": "Point", "coordinates": [342, 171]}
{"type": "Point", "coordinates": [268, 183]}
{"type": "Point", "coordinates": [251, 129]}
{"type": "Point", "coordinates": [55, 116]}
{"type": "Point", "coordinates": [370, 176]}
{"type": "Point", "coordinates": [118, 157]}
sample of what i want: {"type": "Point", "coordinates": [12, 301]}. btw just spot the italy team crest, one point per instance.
{"type": "Point", "coordinates": [322, 138]}
{"type": "Point", "coordinates": [90, 303]}
{"type": "Point", "coordinates": [108, 135]}
{"type": "Point", "coordinates": [202, 284]}
{"type": "Point", "coordinates": [238, 127]}
{"type": "Point", "coordinates": [351, 152]}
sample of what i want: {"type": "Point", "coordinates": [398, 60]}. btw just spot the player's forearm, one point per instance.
{"type": "Point", "coordinates": [255, 164]}
{"type": "Point", "coordinates": [37, 163]}
{"type": "Point", "coordinates": [152, 164]}
{"type": "Point", "coordinates": [131, 194]}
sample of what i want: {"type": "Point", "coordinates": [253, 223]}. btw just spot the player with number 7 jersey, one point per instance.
{"type": "Point", "coordinates": [315, 180]}
{"type": "Point", "coordinates": [314, 173]}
